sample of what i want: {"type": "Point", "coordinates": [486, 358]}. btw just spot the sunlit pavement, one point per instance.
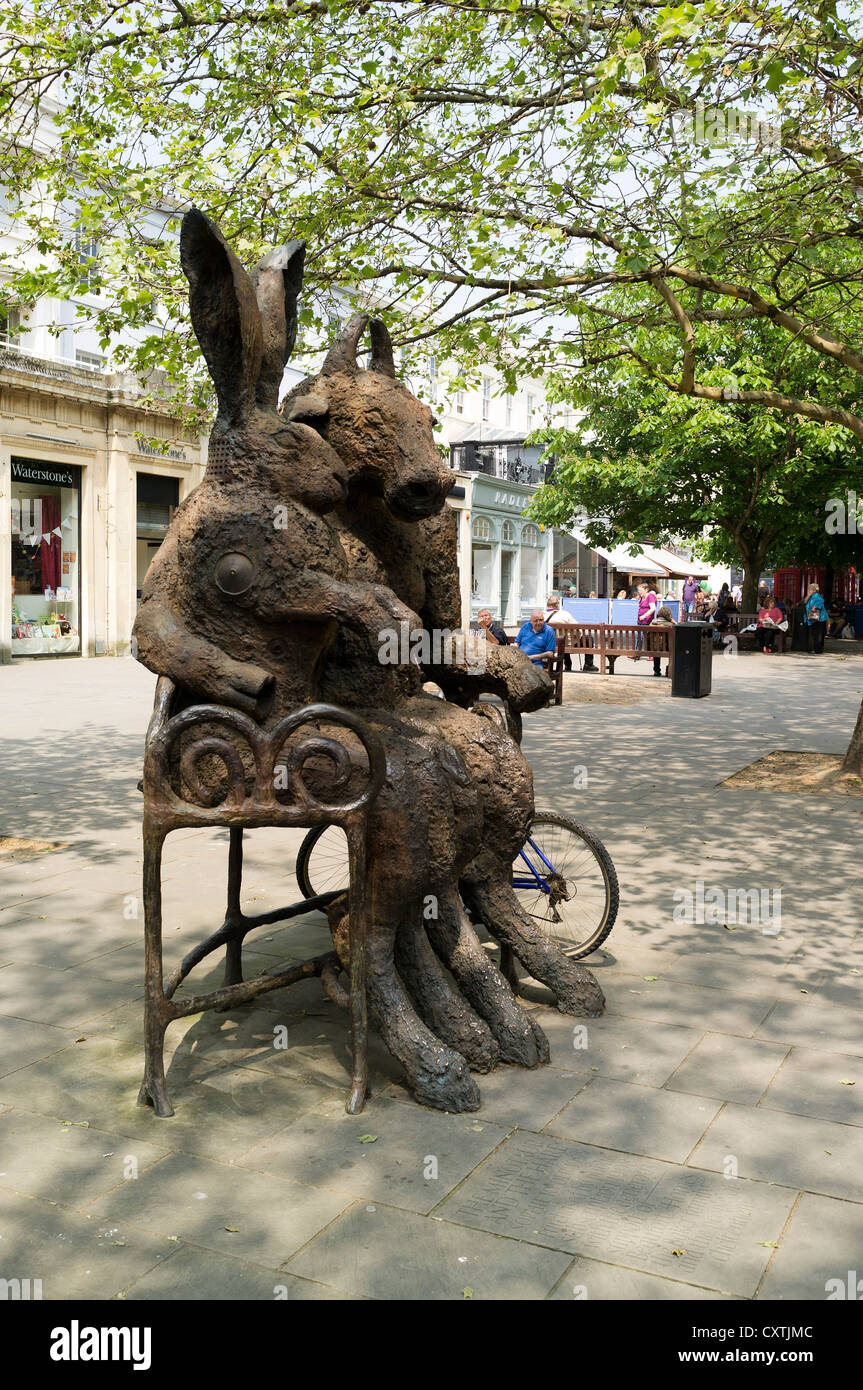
{"type": "Point", "coordinates": [704, 1139]}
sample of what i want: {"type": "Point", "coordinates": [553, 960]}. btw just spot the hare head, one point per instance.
{"type": "Point", "coordinates": [381, 432]}
{"type": "Point", "coordinates": [246, 326]}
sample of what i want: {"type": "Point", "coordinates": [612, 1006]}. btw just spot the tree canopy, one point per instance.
{"type": "Point", "coordinates": [493, 174]}
{"type": "Point", "coordinates": [747, 484]}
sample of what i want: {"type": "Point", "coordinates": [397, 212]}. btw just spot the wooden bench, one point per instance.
{"type": "Point", "coordinates": [609, 641]}
{"type": "Point", "coordinates": [736, 621]}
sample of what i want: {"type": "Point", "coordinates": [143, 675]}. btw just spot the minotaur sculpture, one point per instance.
{"type": "Point", "coordinates": [314, 530]}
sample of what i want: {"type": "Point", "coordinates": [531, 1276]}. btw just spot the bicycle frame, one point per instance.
{"type": "Point", "coordinates": [536, 880]}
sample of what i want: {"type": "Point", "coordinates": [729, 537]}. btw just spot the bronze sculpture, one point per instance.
{"type": "Point", "coordinates": [315, 530]}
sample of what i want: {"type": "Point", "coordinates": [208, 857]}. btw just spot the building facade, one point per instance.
{"type": "Point", "coordinates": [85, 498]}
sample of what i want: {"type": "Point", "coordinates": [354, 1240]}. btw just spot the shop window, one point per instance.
{"type": "Point", "coordinates": [157, 498]}
{"type": "Point", "coordinates": [530, 534]}
{"type": "Point", "coordinates": [507, 533]}
{"type": "Point", "coordinates": [530, 577]}
{"type": "Point", "coordinates": [482, 528]}
{"type": "Point", "coordinates": [46, 552]}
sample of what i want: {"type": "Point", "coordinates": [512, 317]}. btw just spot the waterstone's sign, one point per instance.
{"type": "Point", "coordinates": [23, 471]}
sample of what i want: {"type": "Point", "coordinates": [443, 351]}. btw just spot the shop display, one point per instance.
{"type": "Point", "coordinates": [45, 509]}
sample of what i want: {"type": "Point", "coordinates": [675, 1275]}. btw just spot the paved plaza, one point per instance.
{"type": "Point", "coordinates": [702, 1140]}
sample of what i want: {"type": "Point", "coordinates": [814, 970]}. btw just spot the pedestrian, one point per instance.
{"type": "Point", "coordinates": [536, 638]}
{"type": "Point", "coordinates": [663, 619]}
{"type": "Point", "coordinates": [555, 616]}
{"type": "Point", "coordinates": [737, 595]}
{"type": "Point", "coordinates": [816, 617]}
{"type": "Point", "coordinates": [691, 587]}
{"type": "Point", "coordinates": [647, 606]}
{"type": "Point", "coordinates": [491, 628]}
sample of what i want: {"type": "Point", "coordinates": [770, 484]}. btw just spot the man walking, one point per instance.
{"type": "Point", "coordinates": [691, 587]}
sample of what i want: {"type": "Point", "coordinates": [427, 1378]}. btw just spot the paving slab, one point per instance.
{"type": "Point", "coordinates": [815, 1023]}
{"type": "Point", "coordinates": [386, 1254]}
{"type": "Point", "coordinates": [722, 970]}
{"type": "Point", "coordinates": [826, 1085]}
{"type": "Point", "coordinates": [69, 997]}
{"type": "Point", "coordinates": [218, 1113]}
{"type": "Point", "coordinates": [814, 1155]}
{"type": "Point", "coordinates": [202, 1275]}
{"type": "Point", "coordinates": [222, 1208]}
{"type": "Point", "coordinates": [666, 1001]}
{"type": "Point", "coordinates": [76, 1255]}
{"type": "Point", "coordinates": [22, 1042]}
{"type": "Point", "coordinates": [63, 1162]}
{"type": "Point", "coordinates": [635, 1119]}
{"type": "Point", "coordinates": [819, 1255]}
{"type": "Point", "coordinates": [728, 1068]}
{"type": "Point", "coordinates": [634, 1211]}
{"type": "Point", "coordinates": [405, 1156]}
{"type": "Point", "coordinates": [626, 1049]}
{"type": "Point", "coordinates": [599, 1283]}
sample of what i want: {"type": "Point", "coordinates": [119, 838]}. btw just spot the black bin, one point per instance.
{"type": "Point", "coordinates": [693, 660]}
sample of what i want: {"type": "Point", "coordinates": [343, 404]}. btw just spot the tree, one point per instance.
{"type": "Point", "coordinates": [494, 171]}
{"type": "Point", "coordinates": [746, 483]}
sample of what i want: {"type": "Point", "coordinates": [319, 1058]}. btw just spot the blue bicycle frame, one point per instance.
{"type": "Point", "coordinates": [536, 880]}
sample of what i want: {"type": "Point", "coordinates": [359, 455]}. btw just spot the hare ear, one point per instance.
{"type": "Point", "coordinates": [225, 314]}
{"type": "Point", "coordinates": [278, 279]}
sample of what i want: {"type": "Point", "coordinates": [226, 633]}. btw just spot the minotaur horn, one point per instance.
{"type": "Point", "coordinates": [382, 350]}
{"type": "Point", "coordinates": [342, 356]}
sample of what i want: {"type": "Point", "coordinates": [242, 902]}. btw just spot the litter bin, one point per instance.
{"type": "Point", "coordinates": [693, 660]}
{"type": "Point", "coordinates": [799, 629]}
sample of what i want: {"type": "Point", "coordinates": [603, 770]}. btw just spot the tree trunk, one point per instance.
{"type": "Point", "coordinates": [853, 760]}
{"type": "Point", "coordinates": [751, 560]}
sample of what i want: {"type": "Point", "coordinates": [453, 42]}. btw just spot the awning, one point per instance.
{"type": "Point", "coordinates": [676, 566]}
{"type": "Point", "coordinates": [620, 558]}
{"type": "Point", "coordinates": [649, 560]}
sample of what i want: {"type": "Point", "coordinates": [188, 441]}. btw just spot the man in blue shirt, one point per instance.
{"type": "Point", "coordinates": [536, 637]}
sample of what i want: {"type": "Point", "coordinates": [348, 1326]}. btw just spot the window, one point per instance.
{"type": "Point", "coordinates": [507, 533]}
{"type": "Point", "coordinates": [46, 546]}
{"type": "Point", "coordinates": [481, 528]}
{"type": "Point", "coordinates": [486, 397]}
{"type": "Point", "coordinates": [508, 404]}
{"type": "Point", "coordinates": [530, 534]}
{"type": "Point", "coordinates": [9, 321]}
{"type": "Point", "coordinates": [530, 412]}
{"type": "Point", "coordinates": [459, 403]}
{"type": "Point", "coordinates": [93, 361]}
{"type": "Point", "coordinates": [87, 252]}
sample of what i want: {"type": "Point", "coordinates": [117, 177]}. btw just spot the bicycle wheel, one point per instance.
{"type": "Point", "coordinates": [566, 881]}
{"type": "Point", "coordinates": [322, 863]}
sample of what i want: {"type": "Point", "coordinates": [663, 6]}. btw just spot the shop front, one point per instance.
{"type": "Point", "coordinates": [45, 529]}
{"type": "Point", "coordinates": [509, 557]}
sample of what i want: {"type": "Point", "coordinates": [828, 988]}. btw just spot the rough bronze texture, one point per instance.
{"type": "Point", "coordinates": [317, 528]}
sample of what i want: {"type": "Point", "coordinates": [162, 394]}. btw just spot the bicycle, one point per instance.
{"type": "Point", "coordinates": [564, 877]}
